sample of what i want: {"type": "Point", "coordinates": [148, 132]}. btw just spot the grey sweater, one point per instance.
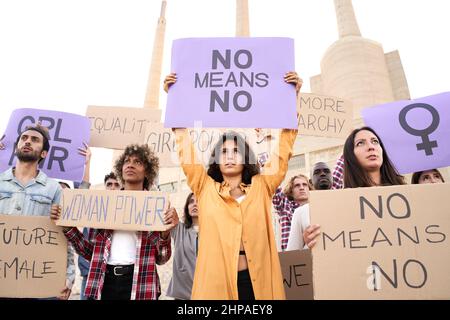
{"type": "Point", "coordinates": [184, 258]}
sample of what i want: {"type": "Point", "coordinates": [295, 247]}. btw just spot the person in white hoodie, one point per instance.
{"type": "Point", "coordinates": [321, 180]}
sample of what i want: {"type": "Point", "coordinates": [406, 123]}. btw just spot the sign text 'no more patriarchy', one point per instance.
{"type": "Point", "coordinates": [324, 116]}
{"type": "Point", "coordinates": [232, 83]}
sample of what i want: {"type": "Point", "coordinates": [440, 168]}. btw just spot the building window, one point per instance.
{"type": "Point", "coordinates": [297, 162]}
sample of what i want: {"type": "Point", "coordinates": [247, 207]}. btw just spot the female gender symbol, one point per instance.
{"type": "Point", "coordinates": [426, 144]}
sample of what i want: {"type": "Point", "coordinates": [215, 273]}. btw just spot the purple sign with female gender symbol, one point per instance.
{"type": "Point", "coordinates": [415, 133]}
{"type": "Point", "coordinates": [232, 83]}
{"type": "Point", "coordinates": [67, 133]}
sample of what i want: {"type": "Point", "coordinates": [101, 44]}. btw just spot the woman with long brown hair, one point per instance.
{"type": "Point", "coordinates": [237, 257]}
{"type": "Point", "coordinates": [366, 164]}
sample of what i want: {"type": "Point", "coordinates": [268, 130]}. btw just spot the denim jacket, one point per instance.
{"type": "Point", "coordinates": [34, 199]}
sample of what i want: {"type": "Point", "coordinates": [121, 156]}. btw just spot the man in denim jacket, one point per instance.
{"type": "Point", "coordinates": [25, 190]}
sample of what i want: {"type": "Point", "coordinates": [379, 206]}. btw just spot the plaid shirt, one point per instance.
{"type": "Point", "coordinates": [151, 249]}
{"type": "Point", "coordinates": [338, 174]}
{"type": "Point", "coordinates": [285, 209]}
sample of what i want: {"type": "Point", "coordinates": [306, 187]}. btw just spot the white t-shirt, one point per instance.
{"type": "Point", "coordinates": [300, 221]}
{"type": "Point", "coordinates": [240, 199]}
{"type": "Point", "coordinates": [123, 248]}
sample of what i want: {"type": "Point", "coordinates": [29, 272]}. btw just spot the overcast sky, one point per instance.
{"type": "Point", "coordinates": [65, 55]}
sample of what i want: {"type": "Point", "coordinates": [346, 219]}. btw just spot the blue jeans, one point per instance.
{"type": "Point", "coordinates": [83, 286]}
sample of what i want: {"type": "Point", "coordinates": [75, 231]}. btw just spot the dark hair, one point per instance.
{"type": "Point", "coordinates": [64, 183]}
{"type": "Point", "coordinates": [43, 131]}
{"type": "Point", "coordinates": [250, 165]}
{"type": "Point", "coordinates": [416, 176]}
{"type": "Point", "coordinates": [187, 216]}
{"type": "Point", "coordinates": [110, 175]}
{"type": "Point", "coordinates": [355, 176]}
{"type": "Point", "coordinates": [143, 152]}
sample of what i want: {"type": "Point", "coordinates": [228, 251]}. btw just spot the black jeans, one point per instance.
{"type": "Point", "coordinates": [118, 283]}
{"type": "Point", "coordinates": [245, 287]}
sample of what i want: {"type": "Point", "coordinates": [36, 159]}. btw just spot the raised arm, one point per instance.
{"type": "Point", "coordinates": [275, 170]}
{"type": "Point", "coordinates": [86, 151]}
{"type": "Point", "coordinates": [195, 172]}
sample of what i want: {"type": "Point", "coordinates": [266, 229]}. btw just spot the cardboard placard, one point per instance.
{"type": "Point", "coordinates": [67, 133]}
{"type": "Point", "coordinates": [232, 83]}
{"type": "Point", "coordinates": [324, 116]}
{"type": "Point", "coordinates": [33, 257]}
{"type": "Point", "coordinates": [115, 210]}
{"type": "Point", "coordinates": [117, 127]}
{"type": "Point", "coordinates": [296, 267]}
{"type": "Point", "coordinates": [382, 242]}
{"type": "Point", "coordinates": [162, 141]}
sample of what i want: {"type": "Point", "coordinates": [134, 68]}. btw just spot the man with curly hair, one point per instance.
{"type": "Point", "coordinates": [123, 262]}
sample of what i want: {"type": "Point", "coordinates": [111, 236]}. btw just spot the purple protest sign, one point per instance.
{"type": "Point", "coordinates": [67, 133]}
{"type": "Point", "coordinates": [232, 82]}
{"type": "Point", "coordinates": [415, 133]}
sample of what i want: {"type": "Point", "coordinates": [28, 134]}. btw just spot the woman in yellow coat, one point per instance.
{"type": "Point", "coordinates": [237, 257]}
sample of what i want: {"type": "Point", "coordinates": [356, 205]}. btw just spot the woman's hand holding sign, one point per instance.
{"type": "Point", "coordinates": [2, 145]}
{"type": "Point", "coordinates": [169, 80]}
{"type": "Point", "coordinates": [293, 78]}
{"type": "Point", "coordinates": [310, 235]}
{"type": "Point", "coordinates": [290, 77]}
{"type": "Point", "coordinates": [170, 217]}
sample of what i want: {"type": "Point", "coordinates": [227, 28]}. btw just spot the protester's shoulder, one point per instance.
{"type": "Point", "coordinates": [301, 209]}
{"type": "Point", "coordinates": [258, 182]}
{"type": "Point", "coordinates": [6, 175]}
{"type": "Point", "coordinates": [179, 229]}
{"type": "Point", "coordinates": [304, 209]}
{"type": "Point", "coordinates": [53, 183]}
{"type": "Point", "coordinates": [50, 183]}
{"type": "Point", "coordinates": [257, 178]}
